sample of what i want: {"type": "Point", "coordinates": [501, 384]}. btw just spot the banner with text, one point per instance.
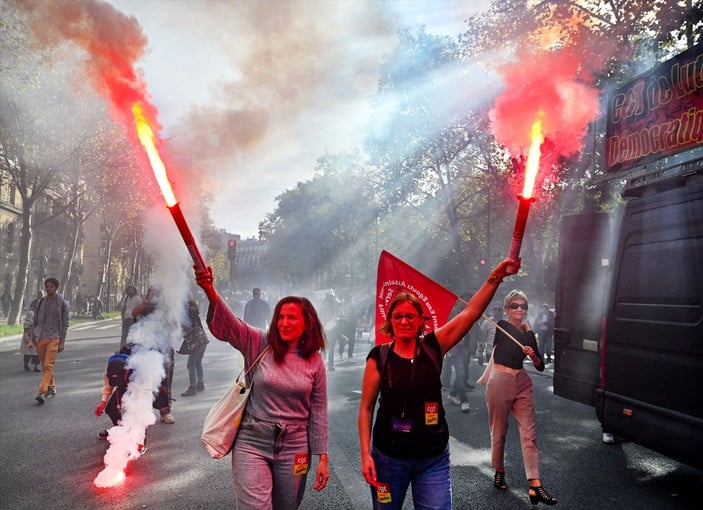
{"type": "Point", "coordinates": [395, 276]}
{"type": "Point", "coordinates": [657, 114]}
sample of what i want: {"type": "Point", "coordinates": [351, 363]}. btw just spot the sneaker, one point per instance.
{"type": "Point", "coordinates": [102, 434]}
{"type": "Point", "coordinates": [36, 369]}
{"type": "Point", "coordinates": [39, 398]}
{"type": "Point", "coordinates": [167, 418]}
{"type": "Point", "coordinates": [465, 407]}
{"type": "Point", "coordinates": [454, 400]}
{"type": "Point", "coordinates": [200, 387]}
{"type": "Point", "coordinates": [141, 448]}
{"type": "Point", "coordinates": [608, 438]}
{"type": "Point", "coordinates": [50, 393]}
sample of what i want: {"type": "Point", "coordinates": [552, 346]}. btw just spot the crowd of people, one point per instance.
{"type": "Point", "coordinates": [284, 429]}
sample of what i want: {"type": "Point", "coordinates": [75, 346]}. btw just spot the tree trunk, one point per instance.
{"type": "Point", "coordinates": [68, 267]}
{"type": "Point", "coordinates": [23, 266]}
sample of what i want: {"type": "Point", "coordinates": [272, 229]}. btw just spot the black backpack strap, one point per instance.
{"type": "Point", "coordinates": [382, 359]}
{"type": "Point", "coordinates": [383, 356]}
{"type": "Point", "coordinates": [435, 357]}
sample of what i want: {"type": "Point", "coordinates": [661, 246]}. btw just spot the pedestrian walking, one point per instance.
{"type": "Point", "coordinates": [195, 339]}
{"type": "Point", "coordinates": [48, 335]}
{"type": "Point", "coordinates": [29, 354]}
{"type": "Point", "coordinates": [257, 312]}
{"type": "Point", "coordinates": [545, 332]}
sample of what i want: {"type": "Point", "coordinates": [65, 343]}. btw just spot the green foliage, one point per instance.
{"type": "Point", "coordinates": [430, 183]}
{"type": "Point", "coordinates": [6, 330]}
{"type": "Point", "coordinates": [323, 230]}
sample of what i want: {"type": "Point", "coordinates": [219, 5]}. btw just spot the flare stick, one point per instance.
{"type": "Point", "coordinates": [519, 228]}
{"type": "Point", "coordinates": [187, 236]}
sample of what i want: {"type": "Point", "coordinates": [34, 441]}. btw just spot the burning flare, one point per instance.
{"type": "Point", "coordinates": [146, 137]}
{"type": "Point", "coordinates": [532, 167]}
{"type": "Point", "coordinates": [526, 198]}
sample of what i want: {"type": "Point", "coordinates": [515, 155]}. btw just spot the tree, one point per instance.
{"type": "Point", "coordinates": [318, 234]}
{"type": "Point", "coordinates": [32, 150]}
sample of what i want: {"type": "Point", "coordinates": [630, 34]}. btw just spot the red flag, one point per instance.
{"type": "Point", "coordinates": [395, 276]}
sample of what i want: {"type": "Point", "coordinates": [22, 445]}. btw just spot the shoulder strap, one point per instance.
{"type": "Point", "coordinates": [245, 372]}
{"type": "Point", "coordinates": [433, 355]}
{"type": "Point", "coordinates": [383, 356]}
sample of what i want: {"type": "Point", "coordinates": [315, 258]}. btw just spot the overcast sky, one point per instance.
{"type": "Point", "coordinates": [260, 89]}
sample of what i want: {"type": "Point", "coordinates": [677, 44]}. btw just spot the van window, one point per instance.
{"type": "Point", "coordinates": [656, 282]}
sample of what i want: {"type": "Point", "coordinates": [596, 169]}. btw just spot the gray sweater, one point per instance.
{"type": "Point", "coordinates": [293, 392]}
{"type": "Point", "coordinates": [46, 323]}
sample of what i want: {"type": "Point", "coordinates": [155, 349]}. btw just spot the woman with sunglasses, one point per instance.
{"type": "Point", "coordinates": [509, 389]}
{"type": "Point", "coordinates": [410, 433]}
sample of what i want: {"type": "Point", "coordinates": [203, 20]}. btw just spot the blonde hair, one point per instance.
{"type": "Point", "coordinates": [512, 295]}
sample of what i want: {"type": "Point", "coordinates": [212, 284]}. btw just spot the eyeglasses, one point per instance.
{"type": "Point", "coordinates": [515, 306]}
{"type": "Point", "coordinates": [398, 317]}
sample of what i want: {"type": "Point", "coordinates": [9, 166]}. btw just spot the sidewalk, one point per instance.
{"type": "Point", "coordinates": [15, 339]}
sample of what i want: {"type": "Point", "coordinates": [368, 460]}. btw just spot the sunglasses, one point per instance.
{"type": "Point", "coordinates": [515, 306]}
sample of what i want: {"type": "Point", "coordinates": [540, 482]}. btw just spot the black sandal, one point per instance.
{"type": "Point", "coordinates": [539, 495]}
{"type": "Point", "coordinates": [499, 480]}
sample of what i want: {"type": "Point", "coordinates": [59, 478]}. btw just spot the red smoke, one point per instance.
{"type": "Point", "coordinates": [547, 84]}
{"type": "Point", "coordinates": [114, 42]}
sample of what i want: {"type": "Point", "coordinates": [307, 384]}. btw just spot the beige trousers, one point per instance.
{"type": "Point", "coordinates": [506, 393]}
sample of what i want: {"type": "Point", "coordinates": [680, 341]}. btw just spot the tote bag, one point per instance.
{"type": "Point", "coordinates": [222, 422]}
{"type": "Point", "coordinates": [487, 371]}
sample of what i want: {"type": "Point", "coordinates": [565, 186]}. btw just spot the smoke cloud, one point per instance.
{"type": "Point", "coordinates": [546, 85]}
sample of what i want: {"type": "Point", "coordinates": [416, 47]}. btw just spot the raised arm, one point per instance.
{"type": "Point", "coordinates": [454, 330]}
{"type": "Point", "coordinates": [205, 280]}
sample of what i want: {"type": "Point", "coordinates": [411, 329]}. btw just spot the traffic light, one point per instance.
{"type": "Point", "coordinates": [231, 249]}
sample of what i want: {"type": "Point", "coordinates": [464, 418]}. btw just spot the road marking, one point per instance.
{"type": "Point", "coordinates": [83, 327]}
{"type": "Point", "coordinates": [462, 454]}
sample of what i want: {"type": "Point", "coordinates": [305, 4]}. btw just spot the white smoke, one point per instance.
{"type": "Point", "coordinates": [147, 371]}
{"type": "Point", "coordinates": [152, 337]}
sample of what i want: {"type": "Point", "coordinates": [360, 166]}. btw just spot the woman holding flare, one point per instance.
{"type": "Point", "coordinates": [410, 434]}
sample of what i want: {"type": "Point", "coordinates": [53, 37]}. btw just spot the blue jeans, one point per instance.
{"type": "Point", "coordinates": [431, 481]}
{"type": "Point", "coordinates": [195, 365]}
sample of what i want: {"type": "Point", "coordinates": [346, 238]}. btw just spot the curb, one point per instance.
{"type": "Point", "coordinates": [17, 338]}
